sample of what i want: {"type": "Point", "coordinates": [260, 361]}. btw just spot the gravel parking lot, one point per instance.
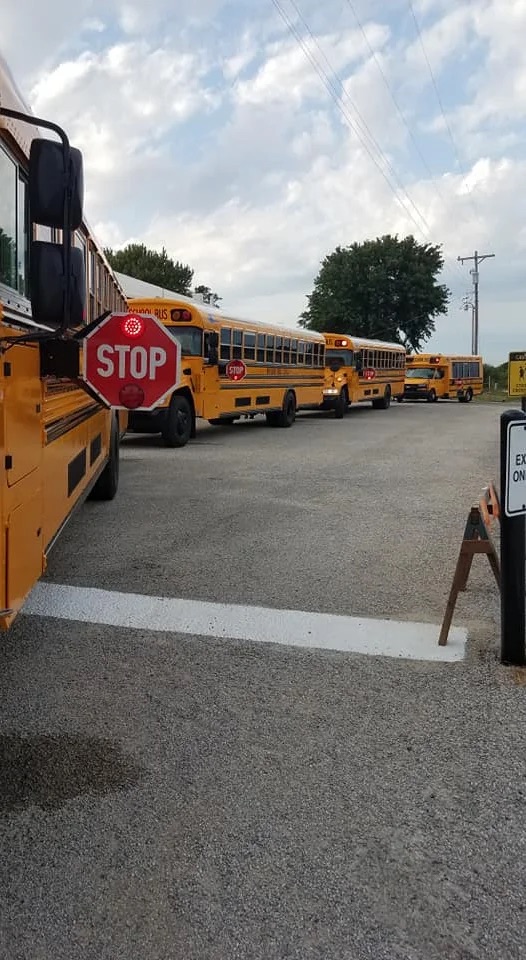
{"type": "Point", "coordinates": [169, 796]}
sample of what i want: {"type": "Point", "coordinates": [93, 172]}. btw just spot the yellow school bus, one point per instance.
{"type": "Point", "coordinates": [360, 370]}
{"type": "Point", "coordinates": [231, 368]}
{"type": "Point", "coordinates": [59, 444]}
{"type": "Point", "coordinates": [435, 377]}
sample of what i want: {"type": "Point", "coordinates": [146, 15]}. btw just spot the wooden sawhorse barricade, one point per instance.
{"type": "Point", "coordinates": [476, 539]}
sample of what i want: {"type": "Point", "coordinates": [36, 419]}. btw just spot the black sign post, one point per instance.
{"type": "Point", "coordinates": [513, 536]}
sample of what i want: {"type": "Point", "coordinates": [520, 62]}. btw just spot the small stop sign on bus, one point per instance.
{"type": "Point", "coordinates": [131, 361]}
{"type": "Point", "coordinates": [236, 370]}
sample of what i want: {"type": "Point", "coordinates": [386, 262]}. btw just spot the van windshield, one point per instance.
{"type": "Point", "coordinates": [421, 373]}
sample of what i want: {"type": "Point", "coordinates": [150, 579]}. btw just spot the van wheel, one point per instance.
{"type": "Point", "coordinates": [177, 428]}
{"type": "Point", "coordinates": [108, 483]}
{"type": "Point", "coordinates": [342, 403]}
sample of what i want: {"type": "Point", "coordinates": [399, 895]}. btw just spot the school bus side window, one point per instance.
{"type": "Point", "coordinates": [237, 336]}
{"type": "Point", "coordinates": [250, 346]}
{"type": "Point", "coordinates": [270, 348]}
{"type": "Point", "coordinates": [225, 344]}
{"type": "Point", "coordinates": [261, 348]}
{"type": "Point", "coordinates": [8, 221]}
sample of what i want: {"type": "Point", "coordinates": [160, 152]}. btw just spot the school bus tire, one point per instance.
{"type": "Point", "coordinates": [287, 415]}
{"type": "Point", "coordinates": [469, 395]}
{"type": "Point", "coordinates": [340, 408]}
{"type": "Point", "coordinates": [178, 426]}
{"type": "Point", "coordinates": [108, 483]}
{"type": "Point", "coordinates": [432, 396]}
{"type": "Point", "coordinates": [288, 412]}
{"type": "Point", "coordinates": [383, 403]}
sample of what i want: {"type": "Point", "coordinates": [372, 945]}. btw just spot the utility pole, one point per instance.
{"type": "Point", "coordinates": [478, 258]}
{"type": "Point", "coordinates": [467, 303]}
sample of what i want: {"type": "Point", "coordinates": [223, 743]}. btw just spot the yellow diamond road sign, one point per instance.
{"type": "Point", "coordinates": [517, 374]}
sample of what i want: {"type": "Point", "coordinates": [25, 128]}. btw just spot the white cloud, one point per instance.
{"type": "Point", "coordinates": [206, 129]}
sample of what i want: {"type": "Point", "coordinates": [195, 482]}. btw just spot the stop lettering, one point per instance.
{"type": "Point", "coordinates": [131, 361]}
{"type": "Point", "coordinates": [138, 362]}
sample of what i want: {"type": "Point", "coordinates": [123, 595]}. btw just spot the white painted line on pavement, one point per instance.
{"type": "Point", "coordinates": [387, 638]}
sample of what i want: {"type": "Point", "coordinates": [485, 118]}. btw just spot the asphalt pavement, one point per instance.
{"type": "Point", "coordinates": [171, 797]}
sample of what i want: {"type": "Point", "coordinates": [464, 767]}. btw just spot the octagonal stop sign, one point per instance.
{"type": "Point", "coordinates": [131, 361]}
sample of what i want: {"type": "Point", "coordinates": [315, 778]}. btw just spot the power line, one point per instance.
{"type": "Point", "coordinates": [439, 99]}
{"type": "Point", "coordinates": [425, 164]}
{"type": "Point", "coordinates": [338, 100]}
{"type": "Point", "coordinates": [361, 121]}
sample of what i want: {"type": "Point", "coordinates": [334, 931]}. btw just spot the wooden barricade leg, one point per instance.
{"type": "Point", "coordinates": [475, 540]}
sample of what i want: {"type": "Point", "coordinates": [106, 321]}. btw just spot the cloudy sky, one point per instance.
{"type": "Point", "coordinates": [250, 137]}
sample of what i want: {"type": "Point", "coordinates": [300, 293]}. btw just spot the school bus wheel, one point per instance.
{"type": "Point", "coordinates": [287, 415]}
{"type": "Point", "coordinates": [177, 428]}
{"type": "Point", "coordinates": [108, 483]}
{"type": "Point", "coordinates": [383, 403]}
{"type": "Point", "coordinates": [340, 407]}
{"type": "Point", "coordinates": [432, 396]}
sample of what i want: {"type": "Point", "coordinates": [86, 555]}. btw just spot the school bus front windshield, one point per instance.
{"type": "Point", "coordinates": [334, 359]}
{"type": "Point", "coordinates": [190, 338]}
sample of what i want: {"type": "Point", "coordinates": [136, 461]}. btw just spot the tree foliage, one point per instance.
{"type": "Point", "coordinates": [383, 289]}
{"type": "Point", "coordinates": [153, 267]}
{"type": "Point", "coordinates": [208, 295]}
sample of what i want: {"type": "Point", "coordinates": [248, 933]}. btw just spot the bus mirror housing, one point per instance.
{"type": "Point", "coordinates": [53, 180]}
{"type": "Point", "coordinates": [47, 271]}
{"type": "Point", "coordinates": [359, 364]}
{"type": "Point", "coordinates": [56, 270]}
{"type": "Point", "coordinates": [56, 196]}
{"type": "Point", "coordinates": [213, 344]}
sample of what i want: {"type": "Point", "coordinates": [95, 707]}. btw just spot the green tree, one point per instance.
{"type": "Point", "coordinates": [208, 295]}
{"type": "Point", "coordinates": [153, 267]}
{"type": "Point", "coordinates": [496, 377]}
{"type": "Point", "coordinates": [384, 289]}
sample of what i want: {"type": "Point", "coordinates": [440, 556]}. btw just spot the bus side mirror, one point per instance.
{"type": "Point", "coordinates": [47, 285]}
{"type": "Point", "coordinates": [57, 275]}
{"type": "Point", "coordinates": [358, 365]}
{"type": "Point", "coordinates": [213, 344]}
{"type": "Point", "coordinates": [49, 183]}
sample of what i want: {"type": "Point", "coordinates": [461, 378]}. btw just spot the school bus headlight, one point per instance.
{"type": "Point", "coordinates": [330, 392]}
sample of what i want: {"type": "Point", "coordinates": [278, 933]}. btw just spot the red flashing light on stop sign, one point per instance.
{"type": "Point", "coordinates": [132, 326]}
{"type": "Point", "coordinates": [131, 396]}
